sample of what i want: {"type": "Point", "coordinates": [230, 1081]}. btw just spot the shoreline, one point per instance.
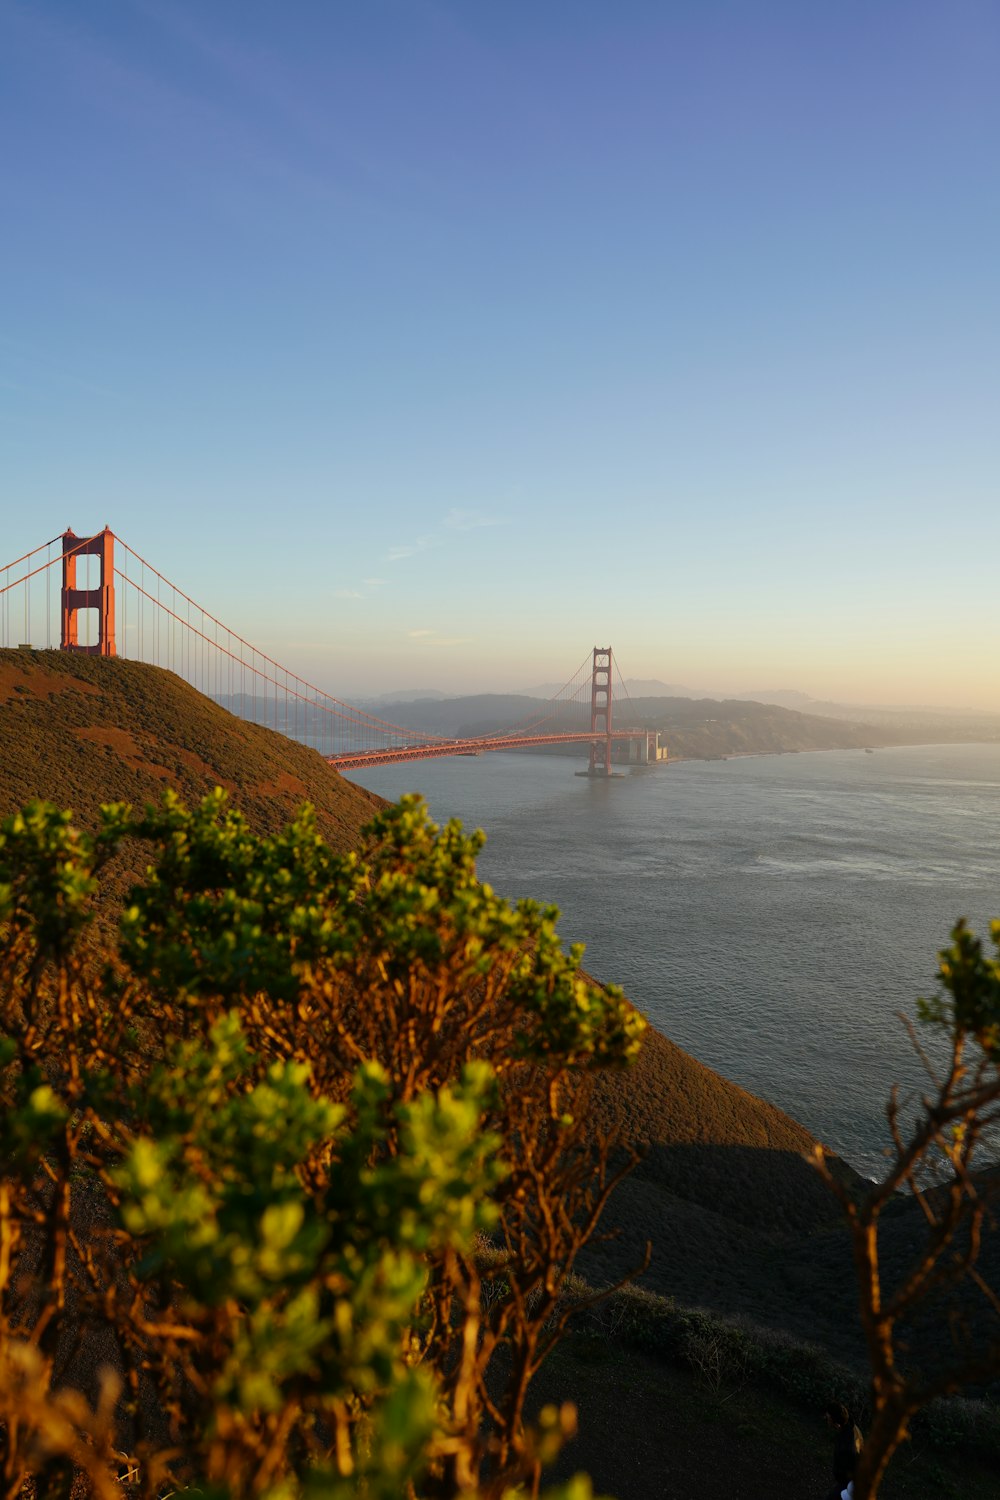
{"type": "Point", "coordinates": [675, 760]}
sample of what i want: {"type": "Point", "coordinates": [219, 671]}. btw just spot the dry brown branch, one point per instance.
{"type": "Point", "coordinates": [946, 1274]}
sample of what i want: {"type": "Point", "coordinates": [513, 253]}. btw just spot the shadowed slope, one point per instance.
{"type": "Point", "coordinates": [687, 1117]}
{"type": "Point", "coordinates": [734, 1211]}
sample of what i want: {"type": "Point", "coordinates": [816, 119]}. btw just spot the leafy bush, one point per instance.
{"type": "Point", "coordinates": [251, 1160]}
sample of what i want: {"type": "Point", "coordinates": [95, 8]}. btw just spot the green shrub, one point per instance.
{"type": "Point", "coordinates": [261, 1149]}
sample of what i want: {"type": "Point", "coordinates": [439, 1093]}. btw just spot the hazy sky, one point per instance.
{"type": "Point", "coordinates": [431, 344]}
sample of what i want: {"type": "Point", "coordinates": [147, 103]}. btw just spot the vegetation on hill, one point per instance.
{"type": "Point", "coordinates": [293, 1192]}
{"type": "Point", "coordinates": [307, 1166]}
{"type": "Point", "coordinates": [85, 730]}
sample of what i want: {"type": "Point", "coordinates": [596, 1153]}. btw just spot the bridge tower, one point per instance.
{"type": "Point", "coordinates": [600, 711]}
{"type": "Point", "coordinates": [102, 598]}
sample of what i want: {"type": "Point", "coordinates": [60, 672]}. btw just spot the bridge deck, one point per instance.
{"type": "Point", "coordinates": [434, 751]}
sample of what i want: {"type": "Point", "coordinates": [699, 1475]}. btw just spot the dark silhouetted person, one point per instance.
{"type": "Point", "coordinates": [847, 1444]}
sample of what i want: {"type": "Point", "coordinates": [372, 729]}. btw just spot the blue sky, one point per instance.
{"type": "Point", "coordinates": [430, 344]}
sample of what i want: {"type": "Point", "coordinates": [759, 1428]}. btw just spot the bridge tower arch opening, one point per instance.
{"type": "Point", "coordinates": [600, 712]}
{"type": "Point", "coordinates": [102, 598]}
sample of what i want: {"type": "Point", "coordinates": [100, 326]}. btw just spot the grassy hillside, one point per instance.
{"type": "Point", "coordinates": [82, 730]}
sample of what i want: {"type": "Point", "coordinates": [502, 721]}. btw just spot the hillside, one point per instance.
{"type": "Point", "coordinates": [699, 728]}
{"type": "Point", "coordinates": [82, 730]}
{"type": "Point", "coordinates": [735, 1214]}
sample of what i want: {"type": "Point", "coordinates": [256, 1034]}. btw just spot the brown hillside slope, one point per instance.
{"type": "Point", "coordinates": [738, 1220]}
{"type": "Point", "coordinates": [82, 730]}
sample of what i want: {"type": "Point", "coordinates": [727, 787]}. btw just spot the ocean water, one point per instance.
{"type": "Point", "coordinates": [771, 914]}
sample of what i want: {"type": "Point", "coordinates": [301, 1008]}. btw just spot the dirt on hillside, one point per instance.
{"type": "Point", "coordinates": [83, 730]}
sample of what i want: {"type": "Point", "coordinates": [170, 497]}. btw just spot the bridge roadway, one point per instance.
{"type": "Point", "coordinates": [395, 756]}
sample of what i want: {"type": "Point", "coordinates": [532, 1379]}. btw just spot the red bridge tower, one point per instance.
{"type": "Point", "coordinates": [102, 598]}
{"type": "Point", "coordinates": [600, 711]}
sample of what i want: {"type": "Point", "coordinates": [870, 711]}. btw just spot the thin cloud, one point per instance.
{"type": "Point", "coordinates": [409, 549]}
{"type": "Point", "coordinates": [432, 638]}
{"type": "Point", "coordinates": [458, 519]}
{"type": "Point", "coordinates": [368, 587]}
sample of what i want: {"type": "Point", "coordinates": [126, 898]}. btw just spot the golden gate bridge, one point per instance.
{"type": "Point", "coordinates": [96, 595]}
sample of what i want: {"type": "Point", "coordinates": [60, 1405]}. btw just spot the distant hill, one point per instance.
{"type": "Point", "coordinates": [637, 687]}
{"type": "Point", "coordinates": [674, 708]}
{"type": "Point", "coordinates": [705, 727]}
{"type": "Point", "coordinates": [402, 695]}
{"type": "Point", "coordinates": [693, 728]}
{"type": "Point", "coordinates": [910, 724]}
{"type": "Point", "coordinates": [907, 724]}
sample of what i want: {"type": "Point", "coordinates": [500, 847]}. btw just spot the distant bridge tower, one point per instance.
{"type": "Point", "coordinates": [600, 712]}
{"type": "Point", "coordinates": [102, 598]}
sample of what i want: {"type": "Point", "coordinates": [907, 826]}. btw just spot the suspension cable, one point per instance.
{"type": "Point", "coordinates": [555, 703]}
{"type": "Point", "coordinates": [353, 715]}
{"type": "Point", "coordinates": [207, 615]}
{"type": "Point", "coordinates": [83, 542]}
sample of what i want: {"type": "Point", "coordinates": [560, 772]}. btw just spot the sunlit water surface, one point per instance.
{"type": "Point", "coordinates": [771, 914]}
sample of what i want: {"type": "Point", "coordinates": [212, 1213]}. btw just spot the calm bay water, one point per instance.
{"type": "Point", "coordinates": [770, 914]}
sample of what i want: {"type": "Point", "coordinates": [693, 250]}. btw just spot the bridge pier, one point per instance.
{"type": "Point", "coordinates": [646, 750]}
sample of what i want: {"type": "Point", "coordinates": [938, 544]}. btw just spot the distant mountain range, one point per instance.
{"type": "Point", "coordinates": [402, 695]}
{"type": "Point", "coordinates": [911, 722]}
{"type": "Point", "coordinates": [691, 727]}
{"type": "Point", "coordinates": [638, 687]}
{"type": "Point", "coordinates": [887, 715]}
